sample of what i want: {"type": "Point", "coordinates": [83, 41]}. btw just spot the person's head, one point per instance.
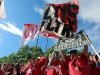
{"type": "Point", "coordinates": [91, 57]}
{"type": "Point", "coordinates": [6, 67]}
{"type": "Point", "coordinates": [18, 61]}
{"type": "Point", "coordinates": [54, 59]}
{"type": "Point", "coordinates": [31, 60]}
{"type": "Point", "coordinates": [73, 54]}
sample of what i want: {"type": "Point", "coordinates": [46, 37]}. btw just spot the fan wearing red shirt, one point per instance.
{"type": "Point", "coordinates": [91, 64]}
{"type": "Point", "coordinates": [34, 68]}
{"type": "Point", "coordinates": [1, 71]}
{"type": "Point", "coordinates": [77, 65]}
{"type": "Point", "coordinates": [96, 71]}
{"type": "Point", "coordinates": [56, 67]}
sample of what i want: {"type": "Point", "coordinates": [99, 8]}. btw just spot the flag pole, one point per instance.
{"type": "Point", "coordinates": [37, 41]}
{"type": "Point", "coordinates": [51, 58]}
{"type": "Point", "coordinates": [47, 44]}
{"type": "Point", "coordinates": [46, 47]}
{"type": "Point", "coordinates": [36, 44]}
{"type": "Point", "coordinates": [95, 51]}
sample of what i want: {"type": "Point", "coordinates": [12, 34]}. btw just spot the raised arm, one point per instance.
{"type": "Point", "coordinates": [85, 51]}
{"type": "Point", "coordinates": [63, 55]}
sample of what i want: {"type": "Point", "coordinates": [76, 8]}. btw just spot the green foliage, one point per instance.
{"type": "Point", "coordinates": [48, 51]}
{"type": "Point", "coordinates": [26, 51]}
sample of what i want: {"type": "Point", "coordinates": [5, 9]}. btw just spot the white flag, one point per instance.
{"type": "Point", "coordinates": [29, 33]}
{"type": "Point", "coordinates": [2, 10]}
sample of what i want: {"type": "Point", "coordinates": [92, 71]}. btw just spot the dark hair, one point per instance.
{"type": "Point", "coordinates": [73, 51]}
{"type": "Point", "coordinates": [30, 57]}
{"type": "Point", "coordinates": [96, 57]}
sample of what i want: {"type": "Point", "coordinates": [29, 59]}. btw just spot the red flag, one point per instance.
{"type": "Point", "coordinates": [29, 33]}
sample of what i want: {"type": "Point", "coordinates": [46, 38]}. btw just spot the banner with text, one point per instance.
{"type": "Point", "coordinates": [79, 39]}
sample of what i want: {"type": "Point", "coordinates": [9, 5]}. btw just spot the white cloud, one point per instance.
{"type": "Point", "coordinates": [94, 33]}
{"type": "Point", "coordinates": [56, 1]}
{"type": "Point", "coordinates": [38, 9]}
{"type": "Point", "coordinates": [89, 10]}
{"type": "Point", "coordinates": [11, 28]}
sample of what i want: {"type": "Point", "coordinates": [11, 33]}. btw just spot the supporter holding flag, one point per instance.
{"type": "Point", "coordinates": [56, 67]}
{"type": "Point", "coordinates": [77, 65]}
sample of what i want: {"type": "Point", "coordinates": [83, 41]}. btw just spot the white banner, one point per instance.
{"type": "Point", "coordinates": [2, 10]}
{"type": "Point", "coordinates": [80, 39]}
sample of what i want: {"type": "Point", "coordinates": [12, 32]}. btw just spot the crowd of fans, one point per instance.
{"type": "Point", "coordinates": [71, 64]}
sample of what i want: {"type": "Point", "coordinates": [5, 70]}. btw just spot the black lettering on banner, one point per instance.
{"type": "Point", "coordinates": [66, 31]}
{"type": "Point", "coordinates": [49, 26]}
{"type": "Point", "coordinates": [42, 24]}
{"type": "Point", "coordinates": [64, 13]}
{"type": "Point", "coordinates": [70, 13]}
{"type": "Point", "coordinates": [57, 25]}
{"type": "Point", "coordinates": [71, 22]}
{"type": "Point", "coordinates": [45, 17]}
{"type": "Point", "coordinates": [56, 10]}
{"type": "Point", "coordinates": [63, 10]}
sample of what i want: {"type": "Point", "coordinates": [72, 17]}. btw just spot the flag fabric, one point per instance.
{"type": "Point", "coordinates": [75, 2]}
{"type": "Point", "coordinates": [79, 39]}
{"type": "Point", "coordinates": [49, 35]}
{"type": "Point", "coordinates": [29, 33]}
{"type": "Point", "coordinates": [2, 10]}
{"type": "Point", "coordinates": [60, 19]}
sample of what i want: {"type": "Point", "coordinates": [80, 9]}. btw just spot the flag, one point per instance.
{"type": "Point", "coordinates": [60, 19]}
{"type": "Point", "coordinates": [49, 35]}
{"type": "Point", "coordinates": [79, 39]}
{"type": "Point", "coordinates": [2, 10]}
{"type": "Point", "coordinates": [29, 33]}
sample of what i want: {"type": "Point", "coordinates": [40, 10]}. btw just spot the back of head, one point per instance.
{"type": "Point", "coordinates": [96, 57]}
{"type": "Point", "coordinates": [73, 51]}
{"type": "Point", "coordinates": [30, 57]}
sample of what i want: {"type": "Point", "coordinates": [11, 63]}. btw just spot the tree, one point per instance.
{"type": "Point", "coordinates": [23, 53]}
{"type": "Point", "coordinates": [48, 51]}
{"type": "Point", "coordinates": [36, 52]}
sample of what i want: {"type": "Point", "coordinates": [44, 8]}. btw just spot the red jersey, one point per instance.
{"type": "Point", "coordinates": [1, 72]}
{"type": "Point", "coordinates": [55, 69]}
{"type": "Point", "coordinates": [92, 66]}
{"type": "Point", "coordinates": [78, 65]}
{"type": "Point", "coordinates": [35, 69]}
{"type": "Point", "coordinates": [14, 72]}
{"type": "Point", "coordinates": [96, 71]}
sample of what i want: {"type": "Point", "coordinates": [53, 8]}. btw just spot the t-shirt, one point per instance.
{"type": "Point", "coordinates": [78, 65]}
{"type": "Point", "coordinates": [35, 69]}
{"type": "Point", "coordinates": [91, 65]}
{"type": "Point", "coordinates": [56, 68]}
{"type": "Point", "coordinates": [1, 72]}
{"type": "Point", "coordinates": [96, 71]}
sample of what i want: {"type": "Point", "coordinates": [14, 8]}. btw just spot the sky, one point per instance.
{"type": "Point", "coordinates": [20, 12]}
